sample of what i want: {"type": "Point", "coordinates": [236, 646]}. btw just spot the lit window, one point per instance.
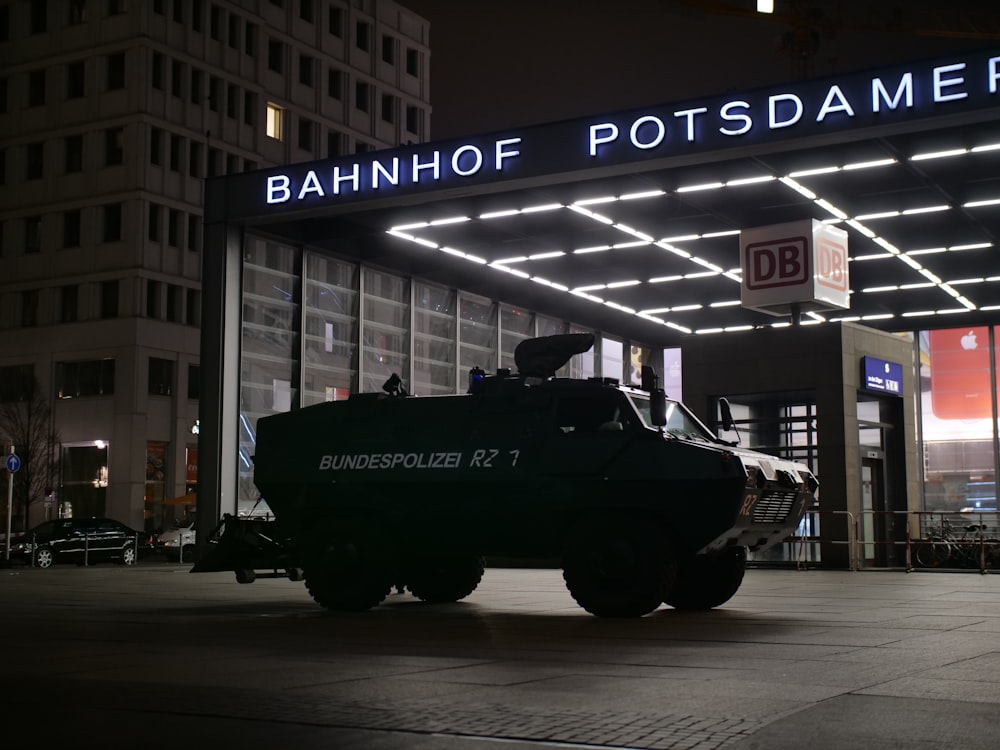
{"type": "Point", "coordinates": [274, 119]}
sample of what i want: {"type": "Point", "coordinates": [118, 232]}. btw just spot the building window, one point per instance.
{"type": "Point", "coordinates": [250, 108]}
{"type": "Point", "coordinates": [74, 80]}
{"type": "Point", "coordinates": [156, 146]}
{"type": "Point", "coordinates": [156, 72]}
{"type": "Point", "coordinates": [17, 383]}
{"type": "Point", "coordinates": [250, 39]}
{"type": "Point", "coordinates": [29, 308]}
{"type": "Point", "coordinates": [172, 305]}
{"type": "Point", "coordinates": [234, 31]}
{"type": "Point", "coordinates": [194, 232]}
{"type": "Point", "coordinates": [176, 152]}
{"type": "Point", "coordinates": [275, 120]}
{"type": "Point", "coordinates": [413, 119]}
{"type": "Point", "coordinates": [36, 88]}
{"type": "Point", "coordinates": [192, 307]}
{"type": "Point", "coordinates": [306, 10]}
{"type": "Point", "coordinates": [194, 382]}
{"type": "Point", "coordinates": [178, 12]}
{"type": "Point", "coordinates": [197, 83]}
{"type": "Point", "coordinates": [35, 162]}
{"type": "Point", "coordinates": [116, 71]}
{"type": "Point", "coordinates": [109, 299]}
{"type": "Point", "coordinates": [77, 12]}
{"type": "Point", "coordinates": [232, 101]}
{"type": "Point", "coordinates": [388, 49]}
{"type": "Point", "coordinates": [362, 36]}
{"type": "Point", "coordinates": [215, 22]}
{"type": "Point", "coordinates": [194, 159]}
{"type": "Point", "coordinates": [388, 108]}
{"type": "Point", "coordinates": [177, 79]}
{"type": "Point", "coordinates": [335, 22]}
{"type": "Point", "coordinates": [114, 150]}
{"type": "Point", "coordinates": [152, 299]}
{"type": "Point", "coordinates": [116, 7]}
{"type": "Point", "coordinates": [214, 162]}
{"type": "Point", "coordinates": [71, 228]}
{"type": "Point", "coordinates": [214, 92]}
{"type": "Point", "coordinates": [362, 93]}
{"type": "Point", "coordinates": [39, 16]}
{"type": "Point", "coordinates": [197, 16]}
{"type": "Point", "coordinates": [275, 55]}
{"type": "Point", "coordinates": [161, 376]}
{"type": "Point", "coordinates": [112, 223]}
{"type": "Point", "coordinates": [412, 62]}
{"type": "Point", "coordinates": [334, 143]}
{"type": "Point", "coordinates": [307, 66]}
{"type": "Point", "coordinates": [3, 95]}
{"type": "Point", "coordinates": [173, 227]}
{"type": "Point", "coordinates": [155, 231]}
{"type": "Point", "coordinates": [69, 303]}
{"type": "Point", "coordinates": [91, 378]}
{"type": "Point", "coordinates": [158, 7]}
{"type": "Point", "coordinates": [335, 83]}
{"type": "Point", "coordinates": [305, 134]}
{"type": "Point", "coordinates": [32, 234]}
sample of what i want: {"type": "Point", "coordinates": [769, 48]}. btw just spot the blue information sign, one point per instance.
{"type": "Point", "coordinates": [13, 463]}
{"type": "Point", "coordinates": [881, 375]}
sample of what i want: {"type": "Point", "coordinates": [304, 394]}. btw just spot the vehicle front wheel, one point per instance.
{"type": "Point", "coordinates": [128, 555]}
{"type": "Point", "coordinates": [616, 568]}
{"type": "Point", "coordinates": [706, 581]}
{"type": "Point", "coordinates": [44, 557]}
{"type": "Point", "coordinates": [352, 570]}
{"type": "Point", "coordinates": [445, 577]}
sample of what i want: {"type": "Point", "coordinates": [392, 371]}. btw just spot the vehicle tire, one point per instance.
{"type": "Point", "coordinates": [933, 554]}
{"type": "Point", "coordinates": [295, 574]}
{"type": "Point", "coordinates": [128, 555]}
{"type": "Point", "coordinates": [445, 577]}
{"type": "Point", "coordinates": [352, 570]}
{"type": "Point", "coordinates": [245, 575]}
{"type": "Point", "coordinates": [615, 568]}
{"type": "Point", "coordinates": [706, 581]}
{"type": "Point", "coordinates": [188, 552]}
{"type": "Point", "coordinates": [44, 557]}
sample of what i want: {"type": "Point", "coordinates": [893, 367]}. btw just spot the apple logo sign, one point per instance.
{"type": "Point", "coordinates": [969, 341]}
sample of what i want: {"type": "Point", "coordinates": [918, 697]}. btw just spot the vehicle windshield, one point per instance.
{"type": "Point", "coordinates": [680, 422]}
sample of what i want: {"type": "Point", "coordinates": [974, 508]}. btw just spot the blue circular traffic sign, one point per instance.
{"type": "Point", "coordinates": [13, 463]}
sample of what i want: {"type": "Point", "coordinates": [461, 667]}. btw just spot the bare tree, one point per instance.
{"type": "Point", "coordinates": [27, 424]}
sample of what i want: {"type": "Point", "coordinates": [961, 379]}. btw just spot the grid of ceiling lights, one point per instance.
{"type": "Point", "coordinates": [633, 237]}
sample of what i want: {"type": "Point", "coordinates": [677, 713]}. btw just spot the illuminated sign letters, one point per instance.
{"type": "Point", "coordinates": [880, 375]}
{"type": "Point", "coordinates": [890, 96]}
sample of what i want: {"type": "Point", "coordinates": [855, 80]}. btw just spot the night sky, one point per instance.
{"type": "Point", "coordinates": [518, 62]}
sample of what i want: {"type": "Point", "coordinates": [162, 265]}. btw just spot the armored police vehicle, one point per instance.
{"type": "Point", "coordinates": [642, 504]}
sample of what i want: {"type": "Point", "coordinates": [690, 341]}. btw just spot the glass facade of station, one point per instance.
{"type": "Point", "coordinates": [317, 328]}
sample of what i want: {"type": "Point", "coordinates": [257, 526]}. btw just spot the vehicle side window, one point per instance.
{"type": "Point", "coordinates": [577, 414]}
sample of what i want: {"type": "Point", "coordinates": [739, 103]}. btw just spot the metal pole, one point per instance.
{"type": "Point", "coordinates": [10, 505]}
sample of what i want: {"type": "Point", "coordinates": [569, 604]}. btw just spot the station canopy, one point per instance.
{"type": "Point", "coordinates": [630, 222]}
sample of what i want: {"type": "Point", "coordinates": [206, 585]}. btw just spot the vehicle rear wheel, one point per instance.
{"type": "Point", "coordinates": [614, 568]}
{"type": "Point", "coordinates": [351, 571]}
{"type": "Point", "coordinates": [128, 555]}
{"type": "Point", "coordinates": [44, 557]}
{"type": "Point", "coordinates": [706, 581]}
{"type": "Point", "coordinates": [245, 575]}
{"type": "Point", "coordinates": [445, 577]}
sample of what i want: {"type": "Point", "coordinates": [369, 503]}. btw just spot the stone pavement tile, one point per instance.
{"type": "Point", "coordinates": [929, 686]}
{"type": "Point", "coordinates": [859, 722]}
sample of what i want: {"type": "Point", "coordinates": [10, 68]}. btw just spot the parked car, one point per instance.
{"type": "Point", "coordinates": [80, 540]}
{"type": "Point", "coordinates": [177, 544]}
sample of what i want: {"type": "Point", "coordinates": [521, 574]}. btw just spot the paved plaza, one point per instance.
{"type": "Point", "coordinates": [155, 657]}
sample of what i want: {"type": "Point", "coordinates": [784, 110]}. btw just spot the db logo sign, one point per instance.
{"type": "Point", "coordinates": [783, 262]}
{"type": "Point", "coordinates": [831, 264]}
